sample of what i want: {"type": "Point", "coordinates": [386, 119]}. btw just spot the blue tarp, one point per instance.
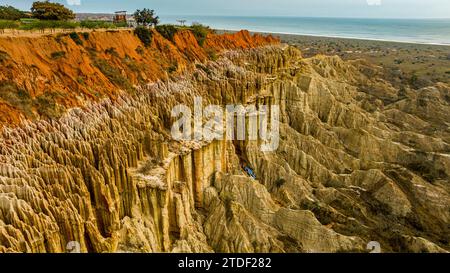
{"type": "Point", "coordinates": [250, 172]}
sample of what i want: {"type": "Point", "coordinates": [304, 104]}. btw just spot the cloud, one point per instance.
{"type": "Point", "coordinates": [374, 2]}
{"type": "Point", "coordinates": [74, 2]}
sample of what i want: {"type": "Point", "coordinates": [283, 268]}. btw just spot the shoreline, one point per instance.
{"type": "Point", "coordinates": [337, 37]}
{"type": "Point", "coordinates": [414, 64]}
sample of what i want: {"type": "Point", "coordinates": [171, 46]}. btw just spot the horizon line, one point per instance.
{"type": "Point", "coordinates": [286, 16]}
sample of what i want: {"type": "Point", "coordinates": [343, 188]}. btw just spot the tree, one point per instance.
{"type": "Point", "coordinates": [182, 22]}
{"type": "Point", "coordinates": [46, 10]}
{"type": "Point", "coordinates": [146, 17]}
{"type": "Point", "coordinates": [11, 13]}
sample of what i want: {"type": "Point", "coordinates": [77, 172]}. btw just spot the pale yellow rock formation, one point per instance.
{"type": "Point", "coordinates": [346, 172]}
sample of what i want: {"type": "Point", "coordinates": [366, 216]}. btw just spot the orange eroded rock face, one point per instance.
{"type": "Point", "coordinates": [239, 40]}
{"type": "Point", "coordinates": [8, 114]}
{"type": "Point", "coordinates": [62, 71]}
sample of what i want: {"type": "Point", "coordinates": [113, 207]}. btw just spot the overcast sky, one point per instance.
{"type": "Point", "coordinates": [304, 8]}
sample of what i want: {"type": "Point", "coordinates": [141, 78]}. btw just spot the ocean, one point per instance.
{"type": "Point", "coordinates": [424, 31]}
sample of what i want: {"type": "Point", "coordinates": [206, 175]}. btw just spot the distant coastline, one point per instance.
{"type": "Point", "coordinates": [414, 31]}
{"type": "Point", "coordinates": [335, 37]}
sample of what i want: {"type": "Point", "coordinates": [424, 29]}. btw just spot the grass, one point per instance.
{"type": "Point", "coordinates": [132, 64]}
{"type": "Point", "coordinates": [102, 24]}
{"type": "Point", "coordinates": [20, 99]}
{"type": "Point", "coordinates": [17, 98]}
{"type": "Point", "coordinates": [92, 24]}
{"type": "Point", "coordinates": [47, 107]}
{"type": "Point", "coordinates": [42, 25]}
{"type": "Point", "coordinates": [8, 24]}
{"type": "Point", "coordinates": [200, 32]}
{"type": "Point", "coordinates": [121, 24]}
{"type": "Point", "coordinates": [212, 54]}
{"type": "Point", "coordinates": [113, 74]}
{"type": "Point", "coordinates": [35, 24]}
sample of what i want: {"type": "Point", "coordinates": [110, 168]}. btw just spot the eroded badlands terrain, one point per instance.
{"type": "Point", "coordinates": [358, 160]}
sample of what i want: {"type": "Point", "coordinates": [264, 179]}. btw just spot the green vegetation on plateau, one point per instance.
{"type": "Point", "coordinates": [47, 15]}
{"type": "Point", "coordinates": [200, 31]}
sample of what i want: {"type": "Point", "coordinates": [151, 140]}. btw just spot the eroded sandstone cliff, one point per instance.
{"type": "Point", "coordinates": [358, 161]}
{"type": "Point", "coordinates": [43, 76]}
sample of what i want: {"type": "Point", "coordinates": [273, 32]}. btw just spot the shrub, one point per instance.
{"type": "Point", "coordinates": [414, 80]}
{"type": "Point", "coordinates": [140, 50]}
{"type": "Point", "coordinates": [132, 65]}
{"type": "Point", "coordinates": [7, 24]}
{"type": "Point", "coordinates": [92, 52]}
{"type": "Point", "coordinates": [42, 25]}
{"type": "Point", "coordinates": [200, 32]}
{"type": "Point", "coordinates": [173, 68]}
{"type": "Point", "coordinates": [112, 51]}
{"type": "Point", "coordinates": [58, 54]}
{"type": "Point", "coordinates": [74, 36]}
{"type": "Point", "coordinates": [3, 56]}
{"type": "Point", "coordinates": [85, 35]}
{"type": "Point", "coordinates": [58, 38]}
{"type": "Point", "coordinates": [144, 34]}
{"type": "Point", "coordinates": [92, 24]}
{"type": "Point", "coordinates": [167, 31]}
{"type": "Point", "coordinates": [280, 182]}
